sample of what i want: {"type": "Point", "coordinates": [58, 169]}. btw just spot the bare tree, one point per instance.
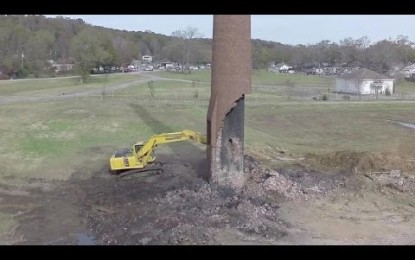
{"type": "Point", "coordinates": [405, 48]}
{"type": "Point", "coordinates": [186, 37]}
{"type": "Point", "coordinates": [362, 45]}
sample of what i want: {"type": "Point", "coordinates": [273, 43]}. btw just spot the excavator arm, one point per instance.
{"type": "Point", "coordinates": [165, 138]}
{"type": "Point", "coordinates": [141, 154]}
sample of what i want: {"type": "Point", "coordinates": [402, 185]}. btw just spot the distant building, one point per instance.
{"type": "Point", "coordinates": [167, 64]}
{"type": "Point", "coordinates": [331, 70]}
{"type": "Point", "coordinates": [147, 58]}
{"type": "Point", "coordinates": [57, 67]}
{"type": "Point", "coordinates": [282, 67]}
{"type": "Point", "coordinates": [408, 70]}
{"type": "Point", "coordinates": [62, 67]}
{"type": "Point", "coordinates": [364, 81]}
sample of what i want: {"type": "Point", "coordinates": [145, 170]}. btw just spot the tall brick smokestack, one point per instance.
{"type": "Point", "coordinates": [231, 80]}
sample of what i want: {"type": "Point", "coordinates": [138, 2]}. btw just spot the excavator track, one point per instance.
{"type": "Point", "coordinates": [153, 167]}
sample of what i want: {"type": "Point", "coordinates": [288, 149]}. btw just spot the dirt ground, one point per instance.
{"type": "Point", "coordinates": [282, 206]}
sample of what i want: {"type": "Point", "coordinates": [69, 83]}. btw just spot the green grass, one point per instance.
{"type": "Point", "coordinates": [59, 85]}
{"type": "Point", "coordinates": [197, 75]}
{"type": "Point", "coordinates": [279, 86]}
{"type": "Point", "coordinates": [52, 140]}
{"type": "Point", "coordinates": [6, 224]}
{"type": "Point", "coordinates": [303, 128]}
{"type": "Point", "coordinates": [404, 86]}
{"type": "Point", "coordinates": [167, 89]}
{"type": "Point", "coordinates": [262, 77]}
{"type": "Point", "coordinates": [294, 87]}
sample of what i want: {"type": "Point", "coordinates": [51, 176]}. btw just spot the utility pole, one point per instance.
{"type": "Point", "coordinates": [22, 59]}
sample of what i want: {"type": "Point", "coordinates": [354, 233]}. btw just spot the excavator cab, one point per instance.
{"type": "Point", "coordinates": [137, 147]}
{"type": "Point", "coordinates": [122, 153]}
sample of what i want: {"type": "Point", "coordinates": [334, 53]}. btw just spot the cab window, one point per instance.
{"type": "Point", "coordinates": [137, 147]}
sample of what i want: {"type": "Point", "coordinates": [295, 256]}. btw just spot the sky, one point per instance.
{"type": "Point", "coordinates": [287, 29]}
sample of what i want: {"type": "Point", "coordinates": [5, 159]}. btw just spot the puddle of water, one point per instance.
{"type": "Point", "coordinates": [84, 239]}
{"type": "Point", "coordinates": [403, 124]}
{"type": "Point", "coordinates": [407, 125]}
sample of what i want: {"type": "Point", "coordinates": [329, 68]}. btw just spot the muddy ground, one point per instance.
{"type": "Point", "coordinates": [277, 206]}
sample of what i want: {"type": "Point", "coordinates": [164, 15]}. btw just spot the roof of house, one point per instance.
{"type": "Point", "coordinates": [281, 64]}
{"type": "Point", "coordinates": [410, 67]}
{"type": "Point", "coordinates": [363, 74]}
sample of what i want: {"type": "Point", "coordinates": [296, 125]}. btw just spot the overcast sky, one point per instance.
{"type": "Point", "coordinates": [288, 29]}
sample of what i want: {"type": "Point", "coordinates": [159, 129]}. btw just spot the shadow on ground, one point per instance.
{"type": "Point", "coordinates": [187, 152]}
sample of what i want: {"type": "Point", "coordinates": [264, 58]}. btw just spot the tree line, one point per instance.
{"type": "Point", "coordinates": [380, 56]}
{"type": "Point", "coordinates": [27, 43]}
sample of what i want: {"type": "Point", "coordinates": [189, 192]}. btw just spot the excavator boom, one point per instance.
{"type": "Point", "coordinates": [165, 138]}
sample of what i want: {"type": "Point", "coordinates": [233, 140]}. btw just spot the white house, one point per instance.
{"type": "Point", "coordinates": [167, 64]}
{"type": "Point", "coordinates": [364, 81]}
{"type": "Point", "coordinates": [62, 67]}
{"type": "Point", "coordinates": [147, 58]}
{"type": "Point", "coordinates": [282, 67]}
{"type": "Point", "coordinates": [409, 70]}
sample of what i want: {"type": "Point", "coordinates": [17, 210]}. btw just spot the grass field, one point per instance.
{"type": "Point", "coordinates": [305, 128]}
{"type": "Point", "coordinates": [6, 224]}
{"type": "Point", "coordinates": [198, 75]}
{"type": "Point", "coordinates": [59, 85]}
{"type": "Point", "coordinates": [43, 144]}
{"type": "Point", "coordinates": [56, 139]}
{"type": "Point", "coordinates": [260, 77]}
{"type": "Point", "coordinates": [192, 91]}
{"type": "Point", "coordinates": [167, 89]}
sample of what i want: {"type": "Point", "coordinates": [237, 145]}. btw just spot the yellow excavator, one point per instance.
{"type": "Point", "coordinates": [140, 157]}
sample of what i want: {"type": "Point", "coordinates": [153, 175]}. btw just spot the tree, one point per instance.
{"type": "Point", "coordinates": [363, 44]}
{"type": "Point", "coordinates": [62, 39]}
{"type": "Point", "coordinates": [92, 48]}
{"type": "Point", "coordinates": [185, 40]}
{"type": "Point", "coordinates": [13, 36]}
{"type": "Point", "coordinates": [38, 50]}
{"type": "Point", "coordinates": [405, 49]}
{"type": "Point", "coordinates": [382, 55]}
{"type": "Point", "coordinates": [126, 50]}
{"type": "Point", "coordinates": [349, 50]}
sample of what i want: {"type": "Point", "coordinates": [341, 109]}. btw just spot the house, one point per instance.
{"type": "Point", "coordinates": [62, 67]}
{"type": "Point", "coordinates": [364, 81]}
{"type": "Point", "coordinates": [58, 67]}
{"type": "Point", "coordinates": [318, 71]}
{"type": "Point", "coordinates": [147, 58]}
{"type": "Point", "coordinates": [282, 67]}
{"type": "Point", "coordinates": [167, 64]}
{"type": "Point", "coordinates": [408, 70]}
{"type": "Point", "coordinates": [331, 71]}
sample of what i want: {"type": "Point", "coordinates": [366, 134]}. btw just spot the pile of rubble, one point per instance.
{"type": "Point", "coordinates": [184, 209]}
{"type": "Point", "coordinates": [394, 179]}
{"type": "Point", "coordinates": [303, 186]}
